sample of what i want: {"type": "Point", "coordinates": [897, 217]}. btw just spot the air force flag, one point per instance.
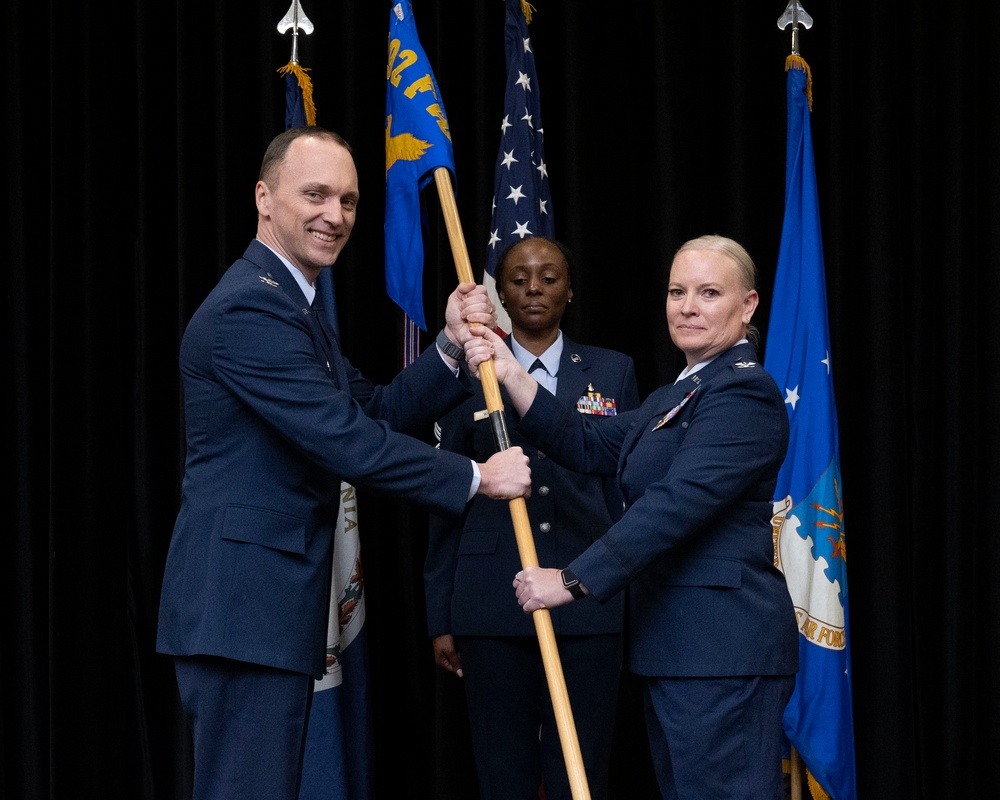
{"type": "Point", "coordinates": [811, 548]}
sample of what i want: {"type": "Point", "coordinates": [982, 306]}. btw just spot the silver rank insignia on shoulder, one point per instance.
{"type": "Point", "coordinates": [268, 280]}
{"type": "Point", "coordinates": [745, 364]}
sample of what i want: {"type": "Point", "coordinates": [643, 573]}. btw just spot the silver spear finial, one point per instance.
{"type": "Point", "coordinates": [297, 20]}
{"type": "Point", "coordinates": [795, 15]}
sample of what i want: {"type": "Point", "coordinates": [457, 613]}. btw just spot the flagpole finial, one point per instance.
{"type": "Point", "coordinates": [795, 15]}
{"type": "Point", "coordinates": [297, 20]}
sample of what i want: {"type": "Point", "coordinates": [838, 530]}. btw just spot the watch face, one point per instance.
{"type": "Point", "coordinates": [572, 583]}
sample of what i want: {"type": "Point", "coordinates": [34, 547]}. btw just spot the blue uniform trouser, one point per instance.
{"type": "Point", "coordinates": [514, 732]}
{"type": "Point", "coordinates": [717, 738]}
{"type": "Point", "coordinates": [249, 727]}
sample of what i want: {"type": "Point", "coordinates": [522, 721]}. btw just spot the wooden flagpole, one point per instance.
{"type": "Point", "coordinates": [519, 515]}
{"type": "Point", "coordinates": [795, 774]}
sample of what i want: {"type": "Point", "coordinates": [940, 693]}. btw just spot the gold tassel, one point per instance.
{"type": "Point", "coordinates": [815, 790]}
{"type": "Point", "coordinates": [527, 9]}
{"type": "Point", "coordinates": [305, 84]}
{"type": "Point", "coordinates": [798, 62]}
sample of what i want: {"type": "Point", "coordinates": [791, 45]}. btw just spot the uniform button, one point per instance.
{"type": "Point", "coordinates": [541, 454]}
{"type": "Point", "coordinates": [545, 527]}
{"type": "Point", "coordinates": [543, 490]}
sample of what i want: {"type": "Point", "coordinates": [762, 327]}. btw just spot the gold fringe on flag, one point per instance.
{"type": "Point", "coordinates": [527, 9]}
{"type": "Point", "coordinates": [816, 791]}
{"type": "Point", "coordinates": [793, 767]}
{"type": "Point", "coordinates": [305, 84]}
{"type": "Point", "coordinates": [798, 62]}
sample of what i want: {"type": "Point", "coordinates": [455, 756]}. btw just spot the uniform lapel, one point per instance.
{"type": "Point", "coordinates": [328, 342]}
{"type": "Point", "coordinates": [573, 371]}
{"type": "Point", "coordinates": [324, 340]}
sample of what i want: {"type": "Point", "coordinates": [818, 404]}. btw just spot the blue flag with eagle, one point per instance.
{"type": "Point", "coordinates": [521, 201]}
{"type": "Point", "coordinates": [811, 549]}
{"type": "Point", "coordinates": [417, 141]}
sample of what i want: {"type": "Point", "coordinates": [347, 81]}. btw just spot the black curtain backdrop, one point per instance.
{"type": "Point", "coordinates": [132, 137]}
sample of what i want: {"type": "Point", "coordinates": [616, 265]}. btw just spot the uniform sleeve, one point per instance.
{"type": "Point", "coordinates": [263, 352]}
{"type": "Point", "coordinates": [735, 440]}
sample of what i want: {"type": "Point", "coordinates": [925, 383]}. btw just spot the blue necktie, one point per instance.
{"type": "Point", "coordinates": [324, 322]}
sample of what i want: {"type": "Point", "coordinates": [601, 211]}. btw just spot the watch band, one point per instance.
{"type": "Point", "coordinates": [571, 582]}
{"type": "Point", "coordinates": [448, 347]}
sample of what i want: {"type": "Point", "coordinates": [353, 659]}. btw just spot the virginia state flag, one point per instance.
{"type": "Point", "coordinates": [521, 202]}
{"type": "Point", "coordinates": [339, 754]}
{"type": "Point", "coordinates": [811, 549]}
{"type": "Point", "coordinates": [417, 141]}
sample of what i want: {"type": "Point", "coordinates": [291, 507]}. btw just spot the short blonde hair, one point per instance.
{"type": "Point", "coordinates": [744, 264]}
{"type": "Point", "coordinates": [730, 248]}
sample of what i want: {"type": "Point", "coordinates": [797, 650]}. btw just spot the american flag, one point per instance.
{"type": "Point", "coordinates": [521, 200]}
